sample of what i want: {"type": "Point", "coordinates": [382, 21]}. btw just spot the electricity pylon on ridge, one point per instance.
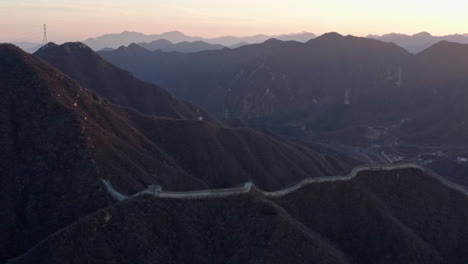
{"type": "Point", "coordinates": [44, 39]}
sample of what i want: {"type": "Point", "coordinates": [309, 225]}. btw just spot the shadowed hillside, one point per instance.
{"type": "Point", "coordinates": [396, 216]}
{"type": "Point", "coordinates": [59, 140]}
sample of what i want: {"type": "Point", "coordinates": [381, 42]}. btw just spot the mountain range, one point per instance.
{"type": "Point", "coordinates": [412, 43]}
{"type": "Point", "coordinates": [276, 78]}
{"type": "Point", "coordinates": [333, 89]}
{"type": "Point", "coordinates": [269, 80]}
{"type": "Point", "coordinates": [126, 38]}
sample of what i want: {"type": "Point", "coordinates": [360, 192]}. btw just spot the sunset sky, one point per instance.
{"type": "Point", "coordinates": [67, 20]}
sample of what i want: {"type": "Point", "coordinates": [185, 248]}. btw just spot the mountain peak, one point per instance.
{"type": "Point", "coordinates": [136, 47]}
{"type": "Point", "coordinates": [10, 53]}
{"type": "Point", "coordinates": [127, 32]}
{"type": "Point", "coordinates": [330, 36]}
{"type": "Point", "coordinates": [272, 41]}
{"type": "Point", "coordinates": [173, 33]}
{"type": "Point", "coordinates": [393, 35]}
{"type": "Point", "coordinates": [423, 34]}
{"type": "Point", "coordinates": [9, 47]}
{"type": "Point", "coordinates": [77, 49]}
{"type": "Point", "coordinates": [14, 55]}
{"type": "Point", "coordinates": [76, 45]}
{"type": "Point", "coordinates": [161, 41]}
{"type": "Point", "coordinates": [48, 45]}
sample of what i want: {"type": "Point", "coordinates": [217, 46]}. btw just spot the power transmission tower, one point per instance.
{"type": "Point", "coordinates": [44, 39]}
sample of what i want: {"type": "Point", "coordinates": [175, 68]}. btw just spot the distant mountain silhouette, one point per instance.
{"type": "Point", "coordinates": [59, 139]}
{"type": "Point", "coordinates": [404, 215]}
{"type": "Point", "coordinates": [418, 42]}
{"type": "Point", "coordinates": [184, 47]}
{"type": "Point", "coordinates": [126, 38]}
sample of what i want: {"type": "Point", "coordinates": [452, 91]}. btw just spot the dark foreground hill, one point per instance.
{"type": "Point", "coordinates": [399, 215]}
{"type": "Point", "coordinates": [58, 140]}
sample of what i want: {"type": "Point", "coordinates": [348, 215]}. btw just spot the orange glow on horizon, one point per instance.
{"type": "Point", "coordinates": [68, 20]}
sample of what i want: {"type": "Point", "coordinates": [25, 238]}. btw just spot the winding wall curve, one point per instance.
{"type": "Point", "coordinates": [249, 186]}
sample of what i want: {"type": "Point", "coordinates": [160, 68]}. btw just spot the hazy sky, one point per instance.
{"type": "Point", "coordinates": [21, 20]}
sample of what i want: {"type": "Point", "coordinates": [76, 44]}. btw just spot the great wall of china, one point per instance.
{"type": "Point", "coordinates": [249, 186]}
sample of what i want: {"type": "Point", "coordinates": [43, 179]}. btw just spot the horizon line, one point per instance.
{"type": "Point", "coordinates": [254, 35]}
